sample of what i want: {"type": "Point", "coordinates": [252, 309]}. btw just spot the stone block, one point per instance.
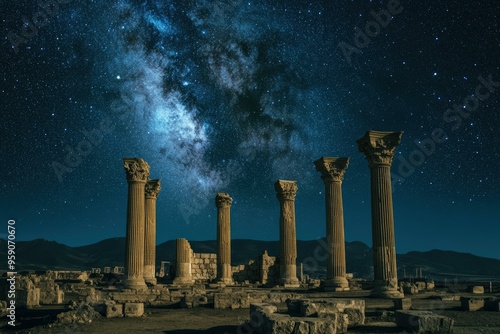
{"type": "Point", "coordinates": [330, 326]}
{"type": "Point", "coordinates": [354, 308]}
{"type": "Point", "coordinates": [409, 288]}
{"type": "Point", "coordinates": [28, 298]}
{"type": "Point", "coordinates": [279, 323]}
{"type": "Point", "coordinates": [193, 300]}
{"type": "Point", "coordinates": [263, 308]}
{"type": "Point", "coordinates": [472, 304]}
{"type": "Point", "coordinates": [133, 309]}
{"type": "Point", "coordinates": [477, 289]}
{"type": "Point", "coordinates": [424, 322]}
{"type": "Point", "coordinates": [114, 310]}
{"type": "Point", "coordinates": [265, 320]}
{"type": "Point", "coordinates": [402, 303]}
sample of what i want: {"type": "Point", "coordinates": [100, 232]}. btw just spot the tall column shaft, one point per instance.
{"type": "Point", "coordinates": [223, 203]}
{"type": "Point", "coordinates": [183, 263]}
{"type": "Point", "coordinates": [335, 232]}
{"type": "Point", "coordinates": [379, 148]}
{"type": "Point", "coordinates": [137, 171]}
{"type": "Point", "coordinates": [384, 243]}
{"type": "Point", "coordinates": [286, 191]}
{"type": "Point", "coordinates": [152, 190]}
{"type": "Point", "coordinates": [332, 172]}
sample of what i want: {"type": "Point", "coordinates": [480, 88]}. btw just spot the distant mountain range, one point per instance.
{"type": "Point", "coordinates": [42, 254]}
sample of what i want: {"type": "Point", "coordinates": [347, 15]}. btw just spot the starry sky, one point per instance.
{"type": "Point", "coordinates": [229, 96]}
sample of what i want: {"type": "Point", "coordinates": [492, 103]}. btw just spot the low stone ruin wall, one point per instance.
{"type": "Point", "coordinates": [243, 299]}
{"type": "Point", "coordinates": [312, 316]}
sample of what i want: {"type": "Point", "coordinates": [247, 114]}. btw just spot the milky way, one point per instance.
{"type": "Point", "coordinates": [232, 95]}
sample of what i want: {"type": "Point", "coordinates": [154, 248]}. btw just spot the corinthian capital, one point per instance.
{"type": "Point", "coordinates": [286, 190]}
{"type": "Point", "coordinates": [136, 169]}
{"type": "Point", "coordinates": [379, 147]}
{"type": "Point", "coordinates": [332, 169]}
{"type": "Point", "coordinates": [222, 200]}
{"type": "Point", "coordinates": [152, 188]}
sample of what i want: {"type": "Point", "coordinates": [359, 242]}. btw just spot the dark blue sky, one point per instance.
{"type": "Point", "coordinates": [232, 95]}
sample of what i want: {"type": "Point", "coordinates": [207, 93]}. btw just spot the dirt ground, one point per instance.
{"type": "Point", "coordinates": [379, 319]}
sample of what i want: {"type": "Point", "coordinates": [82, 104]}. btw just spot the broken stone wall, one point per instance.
{"type": "Point", "coordinates": [203, 266]}
{"type": "Point", "coordinates": [265, 270]}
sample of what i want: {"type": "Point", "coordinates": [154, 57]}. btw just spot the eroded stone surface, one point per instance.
{"type": "Point", "coordinates": [265, 320]}
{"type": "Point", "coordinates": [133, 309]}
{"type": "Point", "coordinates": [353, 308]}
{"type": "Point", "coordinates": [424, 322]}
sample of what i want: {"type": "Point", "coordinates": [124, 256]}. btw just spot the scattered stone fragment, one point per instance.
{"type": "Point", "coordinates": [472, 304]}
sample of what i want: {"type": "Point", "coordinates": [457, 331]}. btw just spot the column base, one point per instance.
{"type": "Point", "coordinates": [289, 276]}
{"type": "Point", "coordinates": [290, 282]}
{"type": "Point", "coordinates": [386, 290]}
{"type": "Point", "coordinates": [224, 281]}
{"type": "Point", "coordinates": [183, 281]}
{"type": "Point", "coordinates": [336, 284]}
{"type": "Point", "coordinates": [135, 283]}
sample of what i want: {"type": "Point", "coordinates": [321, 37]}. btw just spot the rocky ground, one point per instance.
{"type": "Point", "coordinates": [172, 320]}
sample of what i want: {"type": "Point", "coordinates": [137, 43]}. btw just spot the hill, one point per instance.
{"type": "Point", "coordinates": [42, 254]}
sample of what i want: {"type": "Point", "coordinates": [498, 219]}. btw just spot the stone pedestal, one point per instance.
{"type": "Point", "coordinates": [183, 274]}
{"type": "Point", "coordinates": [137, 171]}
{"type": "Point", "coordinates": [285, 192]}
{"type": "Point", "coordinates": [224, 273]}
{"type": "Point", "coordinates": [332, 172]}
{"type": "Point", "coordinates": [379, 148]}
{"type": "Point", "coordinates": [152, 190]}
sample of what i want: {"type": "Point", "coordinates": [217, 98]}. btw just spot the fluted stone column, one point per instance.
{"type": "Point", "coordinates": [183, 274]}
{"type": "Point", "coordinates": [379, 148]}
{"type": "Point", "coordinates": [152, 190]}
{"type": "Point", "coordinates": [224, 273]}
{"type": "Point", "coordinates": [137, 171]}
{"type": "Point", "coordinates": [286, 191]}
{"type": "Point", "coordinates": [332, 172]}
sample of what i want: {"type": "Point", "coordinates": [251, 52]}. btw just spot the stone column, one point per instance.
{"type": "Point", "coordinates": [224, 273]}
{"type": "Point", "coordinates": [332, 172]}
{"type": "Point", "coordinates": [152, 190]}
{"type": "Point", "coordinates": [379, 148]}
{"type": "Point", "coordinates": [286, 191]}
{"type": "Point", "coordinates": [137, 171]}
{"type": "Point", "coordinates": [183, 274]}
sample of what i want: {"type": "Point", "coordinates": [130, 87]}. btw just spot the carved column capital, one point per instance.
{"type": "Point", "coordinates": [332, 169]}
{"type": "Point", "coordinates": [286, 190]}
{"type": "Point", "coordinates": [379, 147]}
{"type": "Point", "coordinates": [223, 200]}
{"type": "Point", "coordinates": [152, 188]}
{"type": "Point", "coordinates": [136, 169]}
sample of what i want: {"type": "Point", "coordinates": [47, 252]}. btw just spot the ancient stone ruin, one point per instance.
{"type": "Point", "coordinates": [278, 301]}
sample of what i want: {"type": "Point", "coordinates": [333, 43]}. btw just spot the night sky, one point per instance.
{"type": "Point", "coordinates": [229, 96]}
